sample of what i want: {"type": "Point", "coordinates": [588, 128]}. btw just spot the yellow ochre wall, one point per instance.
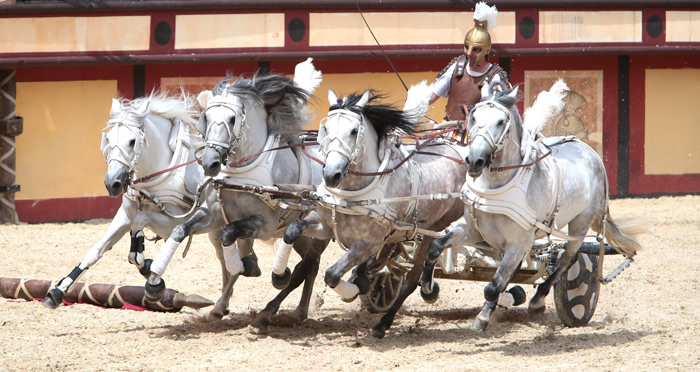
{"type": "Point", "coordinates": [58, 154]}
{"type": "Point", "coordinates": [672, 123]}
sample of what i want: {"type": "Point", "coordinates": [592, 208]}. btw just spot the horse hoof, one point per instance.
{"type": "Point", "coordinates": [349, 300]}
{"type": "Point", "coordinates": [378, 332]}
{"type": "Point", "coordinates": [250, 266]}
{"type": "Point", "coordinates": [281, 281]}
{"type": "Point", "coordinates": [260, 324]}
{"type": "Point", "coordinates": [146, 269]}
{"type": "Point", "coordinates": [431, 297]}
{"type": "Point", "coordinates": [215, 316]}
{"type": "Point", "coordinates": [153, 293]}
{"type": "Point", "coordinates": [480, 324]}
{"type": "Point", "coordinates": [535, 310]}
{"type": "Point", "coordinates": [519, 295]}
{"type": "Point", "coordinates": [53, 299]}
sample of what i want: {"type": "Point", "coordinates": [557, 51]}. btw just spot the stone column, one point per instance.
{"type": "Point", "coordinates": [10, 127]}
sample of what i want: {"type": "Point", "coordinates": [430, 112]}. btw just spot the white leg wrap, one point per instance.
{"type": "Point", "coordinates": [346, 289]}
{"type": "Point", "coordinates": [282, 258]}
{"type": "Point", "coordinates": [234, 265]}
{"type": "Point", "coordinates": [505, 299]}
{"type": "Point", "coordinates": [164, 256]}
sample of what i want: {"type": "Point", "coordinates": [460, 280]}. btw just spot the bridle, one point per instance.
{"type": "Point", "coordinates": [350, 153]}
{"type": "Point", "coordinates": [482, 131]}
{"type": "Point", "coordinates": [122, 156]}
{"type": "Point", "coordinates": [235, 132]}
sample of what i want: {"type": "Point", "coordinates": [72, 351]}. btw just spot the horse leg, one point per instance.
{"type": "Point", "coordinates": [457, 235]}
{"type": "Point", "coordinates": [359, 251]}
{"type": "Point", "coordinates": [245, 228]}
{"type": "Point", "coordinates": [248, 258]}
{"type": "Point", "coordinates": [305, 271]}
{"type": "Point", "coordinates": [310, 226]}
{"type": "Point", "coordinates": [221, 307]}
{"type": "Point", "coordinates": [409, 285]}
{"type": "Point", "coordinates": [512, 259]}
{"type": "Point", "coordinates": [155, 286]}
{"type": "Point", "coordinates": [119, 226]}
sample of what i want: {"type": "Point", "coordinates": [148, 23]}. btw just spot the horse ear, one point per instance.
{"type": "Point", "coordinates": [363, 100]}
{"type": "Point", "coordinates": [514, 92]}
{"type": "Point", "coordinates": [116, 108]}
{"type": "Point", "coordinates": [332, 97]}
{"type": "Point", "coordinates": [203, 98]}
{"type": "Point", "coordinates": [485, 91]}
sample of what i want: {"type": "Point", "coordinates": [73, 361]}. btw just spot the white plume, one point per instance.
{"type": "Point", "coordinates": [416, 105]}
{"type": "Point", "coordinates": [483, 12]}
{"type": "Point", "coordinates": [306, 75]}
{"type": "Point", "coordinates": [547, 105]}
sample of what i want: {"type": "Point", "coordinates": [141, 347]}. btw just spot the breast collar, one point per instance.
{"type": "Point", "coordinates": [511, 198]}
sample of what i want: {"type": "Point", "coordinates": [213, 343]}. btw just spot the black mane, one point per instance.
{"type": "Point", "coordinates": [384, 117]}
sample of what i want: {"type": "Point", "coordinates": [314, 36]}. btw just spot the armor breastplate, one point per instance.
{"type": "Point", "coordinates": [465, 89]}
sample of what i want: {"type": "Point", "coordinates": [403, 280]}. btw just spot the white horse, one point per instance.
{"type": "Point", "coordinates": [245, 122]}
{"type": "Point", "coordinates": [522, 187]}
{"type": "Point", "coordinates": [364, 160]}
{"type": "Point", "coordinates": [144, 137]}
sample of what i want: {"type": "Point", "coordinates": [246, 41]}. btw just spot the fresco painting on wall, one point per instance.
{"type": "Point", "coordinates": [583, 114]}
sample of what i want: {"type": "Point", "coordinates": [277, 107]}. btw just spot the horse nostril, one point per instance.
{"type": "Point", "coordinates": [336, 177]}
{"type": "Point", "coordinates": [117, 186]}
{"type": "Point", "coordinates": [479, 163]}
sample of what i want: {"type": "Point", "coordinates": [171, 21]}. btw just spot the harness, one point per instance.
{"type": "Point", "coordinates": [346, 201]}
{"type": "Point", "coordinates": [511, 199]}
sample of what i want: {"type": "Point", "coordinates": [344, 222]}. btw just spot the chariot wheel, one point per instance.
{"type": "Point", "coordinates": [576, 292]}
{"type": "Point", "coordinates": [386, 284]}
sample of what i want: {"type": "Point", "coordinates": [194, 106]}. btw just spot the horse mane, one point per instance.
{"type": "Point", "coordinates": [284, 101]}
{"type": "Point", "coordinates": [164, 105]}
{"type": "Point", "coordinates": [384, 117]}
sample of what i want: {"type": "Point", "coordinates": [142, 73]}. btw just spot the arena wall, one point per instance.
{"type": "Point", "coordinates": [632, 70]}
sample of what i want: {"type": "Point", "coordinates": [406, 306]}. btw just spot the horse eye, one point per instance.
{"type": "Point", "coordinates": [132, 142]}
{"type": "Point", "coordinates": [500, 122]}
{"type": "Point", "coordinates": [354, 132]}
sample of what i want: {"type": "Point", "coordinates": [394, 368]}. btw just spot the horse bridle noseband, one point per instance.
{"type": "Point", "coordinates": [122, 157]}
{"type": "Point", "coordinates": [350, 153]}
{"type": "Point", "coordinates": [233, 138]}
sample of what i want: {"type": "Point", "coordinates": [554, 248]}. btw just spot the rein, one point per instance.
{"type": "Point", "coordinates": [150, 176]}
{"type": "Point", "coordinates": [400, 164]}
{"type": "Point", "coordinates": [500, 169]}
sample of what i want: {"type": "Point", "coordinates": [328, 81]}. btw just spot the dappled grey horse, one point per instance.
{"type": "Point", "coordinates": [364, 159]}
{"type": "Point", "coordinates": [144, 137]}
{"type": "Point", "coordinates": [522, 187]}
{"type": "Point", "coordinates": [248, 126]}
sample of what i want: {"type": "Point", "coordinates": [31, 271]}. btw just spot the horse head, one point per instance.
{"type": "Point", "coordinates": [489, 126]}
{"type": "Point", "coordinates": [239, 117]}
{"type": "Point", "coordinates": [122, 142]}
{"type": "Point", "coordinates": [137, 139]}
{"type": "Point", "coordinates": [353, 135]}
{"type": "Point", "coordinates": [221, 124]}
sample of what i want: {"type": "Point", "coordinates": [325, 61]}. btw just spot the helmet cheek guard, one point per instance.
{"type": "Point", "coordinates": [478, 37]}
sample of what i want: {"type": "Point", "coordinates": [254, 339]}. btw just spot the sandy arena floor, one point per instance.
{"type": "Point", "coordinates": [647, 319]}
